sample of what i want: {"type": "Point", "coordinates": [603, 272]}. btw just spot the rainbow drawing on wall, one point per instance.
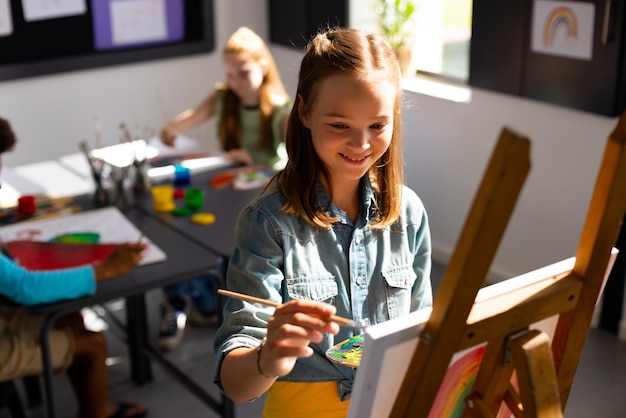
{"type": "Point", "coordinates": [560, 19]}
{"type": "Point", "coordinates": [563, 28]}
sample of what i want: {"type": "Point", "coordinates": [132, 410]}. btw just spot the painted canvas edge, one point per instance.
{"type": "Point", "coordinates": [379, 338]}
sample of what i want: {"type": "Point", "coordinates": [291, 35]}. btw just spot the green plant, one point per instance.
{"type": "Point", "coordinates": [393, 17]}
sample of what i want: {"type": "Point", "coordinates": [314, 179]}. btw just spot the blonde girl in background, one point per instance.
{"type": "Point", "coordinates": [251, 110]}
{"type": "Point", "coordinates": [251, 107]}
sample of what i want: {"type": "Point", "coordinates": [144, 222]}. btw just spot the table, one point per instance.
{"type": "Point", "coordinates": [132, 286]}
{"type": "Point", "coordinates": [225, 204]}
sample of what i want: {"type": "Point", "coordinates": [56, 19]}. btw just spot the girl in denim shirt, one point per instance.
{"type": "Point", "coordinates": [336, 232]}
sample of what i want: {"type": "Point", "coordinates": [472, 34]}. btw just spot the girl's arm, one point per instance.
{"type": "Point", "coordinates": [32, 288]}
{"type": "Point", "coordinates": [188, 119]}
{"type": "Point", "coordinates": [247, 373]}
{"type": "Point", "coordinates": [255, 269]}
{"type": "Point", "coordinates": [36, 287]}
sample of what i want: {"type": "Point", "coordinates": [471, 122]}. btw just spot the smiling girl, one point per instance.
{"type": "Point", "coordinates": [337, 232]}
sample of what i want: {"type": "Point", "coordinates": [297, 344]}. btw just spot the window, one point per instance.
{"type": "Point", "coordinates": [440, 32]}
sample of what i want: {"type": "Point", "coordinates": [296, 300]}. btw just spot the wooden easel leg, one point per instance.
{"type": "Point", "coordinates": [513, 401]}
{"type": "Point", "coordinates": [491, 382]}
{"type": "Point", "coordinates": [476, 407]}
{"type": "Point", "coordinates": [536, 375]}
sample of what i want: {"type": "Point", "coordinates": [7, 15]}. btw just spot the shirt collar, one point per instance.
{"type": "Point", "coordinates": [368, 203]}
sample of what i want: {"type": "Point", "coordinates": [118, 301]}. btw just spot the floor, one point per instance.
{"type": "Point", "coordinates": [598, 390]}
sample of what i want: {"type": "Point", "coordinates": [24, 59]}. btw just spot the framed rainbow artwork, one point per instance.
{"type": "Point", "coordinates": [563, 28]}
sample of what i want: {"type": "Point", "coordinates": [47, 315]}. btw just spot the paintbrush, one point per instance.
{"type": "Point", "coordinates": [100, 194]}
{"type": "Point", "coordinates": [92, 164]}
{"type": "Point", "coordinates": [164, 113]}
{"type": "Point", "coordinates": [334, 318]}
{"type": "Point", "coordinates": [97, 126]}
{"type": "Point", "coordinates": [143, 234]}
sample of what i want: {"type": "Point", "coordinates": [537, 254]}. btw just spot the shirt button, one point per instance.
{"type": "Point", "coordinates": [359, 280]}
{"type": "Point", "coordinates": [358, 240]}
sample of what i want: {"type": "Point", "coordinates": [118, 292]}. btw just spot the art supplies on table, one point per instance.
{"type": "Point", "coordinates": [119, 172]}
{"type": "Point", "coordinates": [146, 162]}
{"type": "Point", "coordinates": [31, 208]}
{"type": "Point", "coordinates": [26, 205]}
{"type": "Point", "coordinates": [222, 180]}
{"type": "Point", "coordinates": [163, 198]}
{"type": "Point", "coordinates": [182, 175]}
{"type": "Point", "coordinates": [15, 185]}
{"type": "Point", "coordinates": [252, 177]}
{"type": "Point", "coordinates": [203, 218]}
{"type": "Point", "coordinates": [124, 154]}
{"type": "Point", "coordinates": [243, 178]}
{"type": "Point", "coordinates": [194, 165]}
{"type": "Point", "coordinates": [110, 225]}
{"type": "Point", "coordinates": [194, 198]}
{"type": "Point", "coordinates": [50, 213]}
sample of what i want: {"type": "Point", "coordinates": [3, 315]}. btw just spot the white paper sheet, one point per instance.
{"type": "Point", "coordinates": [52, 9]}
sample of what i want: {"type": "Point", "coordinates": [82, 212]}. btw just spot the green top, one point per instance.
{"type": "Point", "coordinates": [249, 133]}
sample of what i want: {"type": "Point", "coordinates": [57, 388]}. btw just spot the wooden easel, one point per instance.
{"type": "Point", "coordinates": [545, 367]}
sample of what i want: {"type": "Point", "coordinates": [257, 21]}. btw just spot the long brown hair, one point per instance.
{"type": "Point", "coordinates": [340, 51]}
{"type": "Point", "coordinates": [247, 43]}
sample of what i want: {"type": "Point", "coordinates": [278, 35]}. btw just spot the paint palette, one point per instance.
{"type": "Point", "coordinates": [348, 352]}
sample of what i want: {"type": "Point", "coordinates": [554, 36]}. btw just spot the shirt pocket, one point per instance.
{"type": "Point", "coordinates": [399, 289]}
{"type": "Point", "coordinates": [314, 288]}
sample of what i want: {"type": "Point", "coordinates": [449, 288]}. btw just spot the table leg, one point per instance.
{"type": "Point", "coordinates": [228, 407]}
{"type": "Point", "coordinates": [33, 391]}
{"type": "Point", "coordinates": [137, 330]}
{"type": "Point", "coordinates": [47, 365]}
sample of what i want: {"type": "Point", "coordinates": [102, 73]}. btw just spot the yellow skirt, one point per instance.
{"type": "Point", "coordinates": [304, 400]}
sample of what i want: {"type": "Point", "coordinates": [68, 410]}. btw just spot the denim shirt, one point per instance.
{"type": "Point", "coordinates": [369, 275]}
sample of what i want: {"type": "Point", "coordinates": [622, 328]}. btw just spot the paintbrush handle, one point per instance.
{"type": "Point", "coordinates": [335, 318]}
{"type": "Point", "coordinates": [143, 234]}
{"type": "Point", "coordinates": [247, 298]}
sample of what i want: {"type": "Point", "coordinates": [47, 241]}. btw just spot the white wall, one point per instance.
{"type": "Point", "coordinates": [447, 144]}
{"type": "Point", "coordinates": [447, 149]}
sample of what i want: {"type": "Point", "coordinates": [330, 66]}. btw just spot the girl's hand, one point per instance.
{"type": "Point", "coordinates": [290, 330]}
{"type": "Point", "coordinates": [123, 259]}
{"type": "Point", "coordinates": [168, 135]}
{"type": "Point", "coordinates": [239, 156]}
